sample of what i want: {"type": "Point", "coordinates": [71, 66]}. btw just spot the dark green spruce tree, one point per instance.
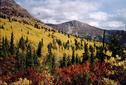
{"type": "Point", "coordinates": [77, 59]}
{"type": "Point", "coordinates": [21, 53]}
{"type": "Point", "coordinates": [68, 61]}
{"type": "Point", "coordinates": [29, 57]}
{"type": "Point", "coordinates": [12, 48]}
{"type": "Point", "coordinates": [85, 54]}
{"type": "Point", "coordinates": [116, 45]}
{"type": "Point", "coordinates": [39, 49]}
{"type": "Point", "coordinates": [35, 58]}
{"type": "Point", "coordinates": [50, 61]}
{"type": "Point", "coordinates": [92, 54]}
{"type": "Point", "coordinates": [63, 62]}
{"type": "Point", "coordinates": [92, 58]}
{"type": "Point", "coordinates": [22, 43]}
{"type": "Point", "coordinates": [73, 60]}
{"type": "Point", "coordinates": [4, 49]}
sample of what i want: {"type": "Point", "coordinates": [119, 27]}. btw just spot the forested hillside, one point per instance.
{"type": "Point", "coordinates": [29, 48]}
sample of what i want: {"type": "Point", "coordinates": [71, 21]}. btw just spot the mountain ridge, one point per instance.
{"type": "Point", "coordinates": [77, 28]}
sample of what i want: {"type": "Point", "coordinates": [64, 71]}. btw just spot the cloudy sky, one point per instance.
{"type": "Point", "coordinates": [106, 14]}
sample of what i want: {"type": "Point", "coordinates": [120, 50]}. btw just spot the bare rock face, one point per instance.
{"type": "Point", "coordinates": [10, 8]}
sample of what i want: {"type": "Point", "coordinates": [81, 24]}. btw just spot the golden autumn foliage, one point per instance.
{"type": "Point", "coordinates": [35, 35]}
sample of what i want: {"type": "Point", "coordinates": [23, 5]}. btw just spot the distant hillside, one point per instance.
{"type": "Point", "coordinates": [77, 28]}
{"type": "Point", "coordinates": [87, 31]}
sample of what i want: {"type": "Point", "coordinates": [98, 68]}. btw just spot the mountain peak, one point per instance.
{"type": "Point", "coordinates": [77, 28]}
{"type": "Point", "coordinates": [73, 21]}
{"type": "Point", "coordinates": [76, 23]}
{"type": "Point", "coordinates": [10, 8]}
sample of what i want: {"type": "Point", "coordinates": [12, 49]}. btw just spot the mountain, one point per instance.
{"type": "Point", "coordinates": [77, 28]}
{"type": "Point", "coordinates": [10, 8]}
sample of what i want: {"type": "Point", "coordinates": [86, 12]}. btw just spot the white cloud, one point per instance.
{"type": "Point", "coordinates": [100, 13]}
{"type": "Point", "coordinates": [115, 24]}
{"type": "Point", "coordinates": [94, 23]}
{"type": "Point", "coordinates": [122, 12]}
{"type": "Point", "coordinates": [101, 16]}
{"type": "Point", "coordinates": [62, 10]}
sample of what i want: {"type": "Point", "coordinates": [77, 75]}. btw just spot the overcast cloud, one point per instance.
{"type": "Point", "coordinates": [106, 14]}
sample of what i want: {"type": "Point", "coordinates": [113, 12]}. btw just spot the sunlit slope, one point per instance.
{"type": "Point", "coordinates": [35, 35]}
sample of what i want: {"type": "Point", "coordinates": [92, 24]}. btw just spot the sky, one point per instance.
{"type": "Point", "coordinates": [105, 14]}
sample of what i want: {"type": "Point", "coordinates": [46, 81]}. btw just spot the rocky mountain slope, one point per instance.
{"type": "Point", "coordinates": [77, 28]}
{"type": "Point", "coordinates": [10, 8]}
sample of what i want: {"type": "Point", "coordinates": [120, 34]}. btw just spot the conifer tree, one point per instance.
{"type": "Point", "coordinates": [103, 46]}
{"type": "Point", "coordinates": [68, 61]}
{"type": "Point", "coordinates": [99, 53]}
{"type": "Point", "coordinates": [7, 46]}
{"type": "Point", "coordinates": [115, 45]}
{"type": "Point", "coordinates": [50, 57]}
{"type": "Point", "coordinates": [73, 61]}
{"type": "Point", "coordinates": [81, 44]}
{"type": "Point", "coordinates": [53, 62]}
{"type": "Point", "coordinates": [21, 53]}
{"type": "Point", "coordinates": [76, 44]}
{"type": "Point", "coordinates": [29, 56]}
{"type": "Point", "coordinates": [85, 54]}
{"type": "Point", "coordinates": [12, 48]}
{"type": "Point", "coordinates": [77, 59]}
{"type": "Point", "coordinates": [64, 60]}
{"type": "Point", "coordinates": [22, 43]}
{"type": "Point", "coordinates": [103, 41]}
{"type": "Point", "coordinates": [1, 48]}
{"type": "Point", "coordinates": [49, 48]}
{"type": "Point", "coordinates": [91, 57]}
{"type": "Point", "coordinates": [39, 49]}
{"type": "Point", "coordinates": [66, 45]}
{"type": "Point", "coordinates": [35, 58]}
{"type": "Point", "coordinates": [59, 42]}
{"type": "Point", "coordinates": [92, 54]}
{"type": "Point", "coordinates": [21, 58]}
{"type": "Point", "coordinates": [4, 48]}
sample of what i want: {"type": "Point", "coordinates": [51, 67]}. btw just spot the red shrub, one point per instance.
{"type": "Point", "coordinates": [30, 73]}
{"type": "Point", "coordinates": [79, 72]}
{"type": "Point", "coordinates": [7, 67]}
